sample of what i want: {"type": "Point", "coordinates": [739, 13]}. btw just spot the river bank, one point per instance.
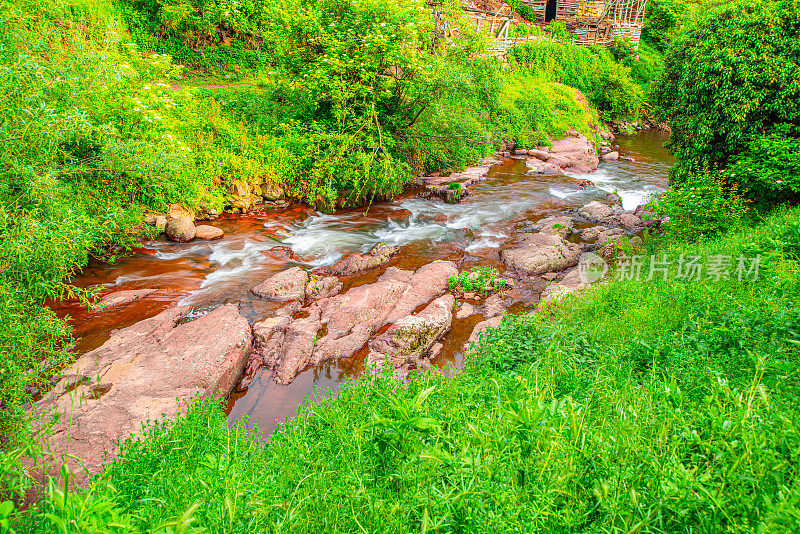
{"type": "Point", "coordinates": [484, 230]}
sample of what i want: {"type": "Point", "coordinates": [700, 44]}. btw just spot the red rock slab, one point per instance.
{"type": "Point", "coordinates": [137, 376]}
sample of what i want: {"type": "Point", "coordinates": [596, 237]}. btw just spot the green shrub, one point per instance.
{"type": "Point", "coordinates": [769, 168]}
{"type": "Point", "coordinates": [706, 205]}
{"type": "Point", "coordinates": [476, 280]}
{"type": "Point", "coordinates": [729, 82]}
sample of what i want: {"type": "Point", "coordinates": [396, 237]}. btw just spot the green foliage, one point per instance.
{"type": "Point", "coordinates": [525, 11]}
{"type": "Point", "coordinates": [769, 168]}
{"type": "Point", "coordinates": [729, 84]}
{"type": "Point", "coordinates": [706, 205]}
{"type": "Point", "coordinates": [476, 280]}
{"type": "Point", "coordinates": [606, 83]}
{"type": "Point", "coordinates": [665, 19]}
{"type": "Point", "coordinates": [646, 406]}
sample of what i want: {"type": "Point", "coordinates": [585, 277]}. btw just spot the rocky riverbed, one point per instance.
{"type": "Point", "coordinates": [266, 308]}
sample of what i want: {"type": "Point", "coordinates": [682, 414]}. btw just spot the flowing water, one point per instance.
{"type": "Point", "coordinates": [207, 274]}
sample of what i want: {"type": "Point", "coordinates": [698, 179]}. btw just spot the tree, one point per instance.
{"type": "Point", "coordinates": [732, 82]}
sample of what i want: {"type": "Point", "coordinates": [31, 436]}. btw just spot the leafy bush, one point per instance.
{"type": "Point", "coordinates": [476, 280]}
{"type": "Point", "coordinates": [706, 205]}
{"type": "Point", "coordinates": [665, 19]}
{"type": "Point", "coordinates": [730, 82]}
{"type": "Point", "coordinates": [769, 168]}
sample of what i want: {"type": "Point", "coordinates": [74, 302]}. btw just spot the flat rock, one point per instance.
{"type": "Point", "coordinates": [320, 288]}
{"type": "Point", "coordinates": [353, 263]}
{"type": "Point", "coordinates": [543, 168]}
{"type": "Point", "coordinates": [562, 226]}
{"type": "Point", "coordinates": [410, 338]}
{"type": "Point", "coordinates": [611, 156]}
{"type": "Point", "coordinates": [472, 174]}
{"type": "Point", "coordinates": [206, 231]}
{"type": "Point", "coordinates": [539, 253]}
{"type": "Point", "coordinates": [539, 154]}
{"type": "Point", "coordinates": [118, 298]}
{"type": "Point", "coordinates": [136, 376]}
{"type": "Point", "coordinates": [286, 285]}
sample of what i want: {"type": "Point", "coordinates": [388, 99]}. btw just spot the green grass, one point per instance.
{"type": "Point", "coordinates": [641, 407]}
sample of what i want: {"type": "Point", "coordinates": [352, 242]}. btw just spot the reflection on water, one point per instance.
{"type": "Point", "coordinates": [205, 274]}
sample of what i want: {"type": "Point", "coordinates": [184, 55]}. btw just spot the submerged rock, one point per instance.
{"type": "Point", "coordinates": [180, 229]}
{"type": "Point", "coordinates": [136, 376]}
{"type": "Point", "coordinates": [539, 253]}
{"type": "Point", "coordinates": [118, 298]}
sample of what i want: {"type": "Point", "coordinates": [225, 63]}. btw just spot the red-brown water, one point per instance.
{"type": "Point", "coordinates": [207, 274]}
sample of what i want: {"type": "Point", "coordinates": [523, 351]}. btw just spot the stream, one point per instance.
{"type": "Point", "coordinates": [205, 274]}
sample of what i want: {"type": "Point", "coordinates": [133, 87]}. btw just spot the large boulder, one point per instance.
{"type": "Point", "coordinates": [575, 154]}
{"type": "Point", "coordinates": [540, 253]}
{"type": "Point", "coordinates": [408, 340]}
{"type": "Point", "coordinates": [272, 191]}
{"type": "Point", "coordinates": [286, 285]}
{"type": "Point", "coordinates": [141, 374]}
{"type": "Point", "coordinates": [180, 229]}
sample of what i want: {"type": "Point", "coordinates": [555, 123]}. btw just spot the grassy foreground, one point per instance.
{"type": "Point", "coordinates": [645, 406]}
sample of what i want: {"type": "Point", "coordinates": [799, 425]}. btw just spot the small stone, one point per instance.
{"type": "Point", "coordinates": [611, 156]}
{"type": "Point", "coordinates": [465, 311]}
